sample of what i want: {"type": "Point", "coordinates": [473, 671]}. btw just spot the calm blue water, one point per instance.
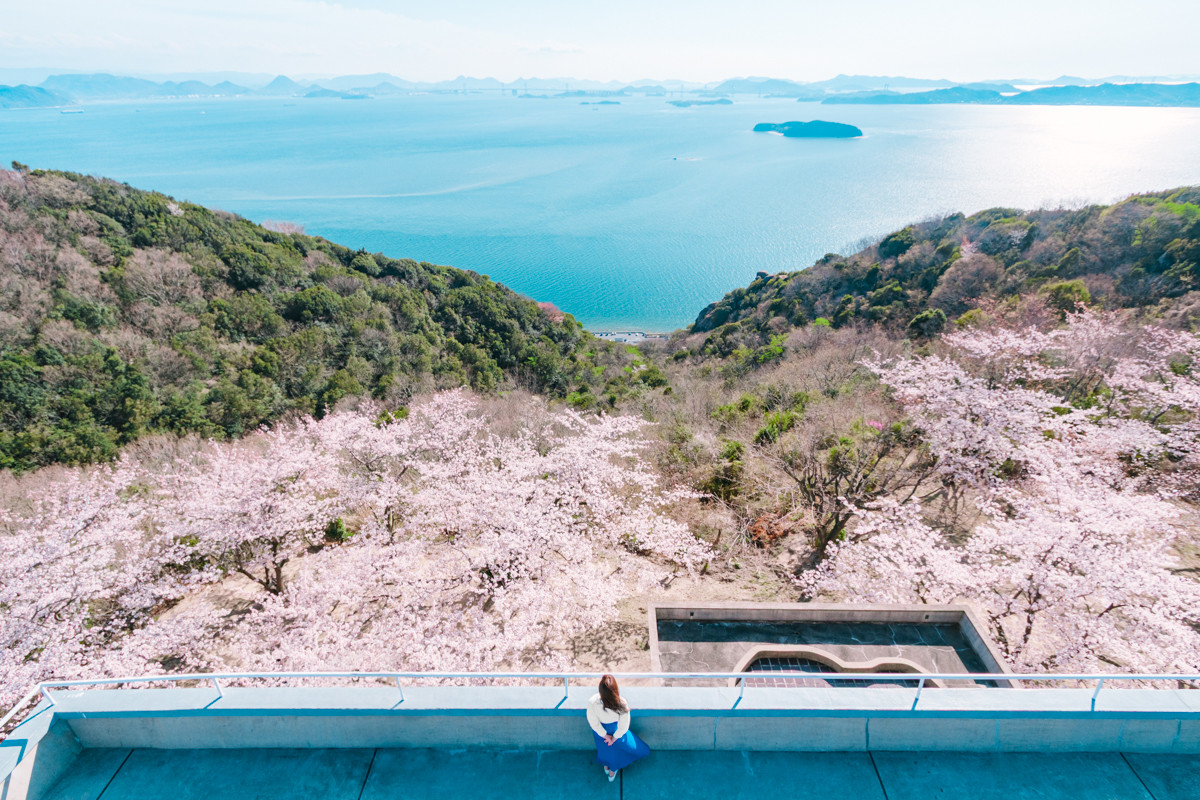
{"type": "Point", "coordinates": [628, 216]}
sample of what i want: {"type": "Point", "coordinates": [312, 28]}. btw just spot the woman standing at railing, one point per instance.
{"type": "Point", "coordinates": [608, 715]}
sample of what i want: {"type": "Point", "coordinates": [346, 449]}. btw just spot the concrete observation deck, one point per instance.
{"type": "Point", "coordinates": [363, 743]}
{"type": "Point", "coordinates": [427, 774]}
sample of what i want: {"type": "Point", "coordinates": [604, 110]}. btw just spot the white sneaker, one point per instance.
{"type": "Point", "coordinates": [612, 776]}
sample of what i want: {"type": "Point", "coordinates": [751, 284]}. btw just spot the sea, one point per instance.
{"type": "Point", "coordinates": [630, 216]}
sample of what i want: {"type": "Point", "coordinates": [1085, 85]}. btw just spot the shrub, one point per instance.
{"type": "Point", "coordinates": [745, 405]}
{"type": "Point", "coordinates": [336, 531]}
{"type": "Point", "coordinates": [583, 400]}
{"type": "Point", "coordinates": [652, 377]}
{"type": "Point", "coordinates": [845, 311]}
{"type": "Point", "coordinates": [897, 244]}
{"type": "Point", "coordinates": [927, 324]}
{"type": "Point", "coordinates": [365, 262]}
{"type": "Point", "coordinates": [725, 482]}
{"type": "Point", "coordinates": [1067, 295]}
{"type": "Point", "coordinates": [86, 313]}
{"type": "Point", "coordinates": [317, 303]}
{"type": "Point", "coordinates": [776, 424]}
{"type": "Point", "coordinates": [248, 269]}
{"type": "Point", "coordinates": [972, 318]}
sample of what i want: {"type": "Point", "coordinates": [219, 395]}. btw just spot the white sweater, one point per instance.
{"type": "Point", "coordinates": [598, 715]}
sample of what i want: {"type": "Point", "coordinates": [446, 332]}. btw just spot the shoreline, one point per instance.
{"type": "Point", "coordinates": [629, 336]}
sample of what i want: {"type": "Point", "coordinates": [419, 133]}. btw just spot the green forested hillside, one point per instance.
{"type": "Point", "coordinates": [1142, 252]}
{"type": "Point", "coordinates": [124, 312]}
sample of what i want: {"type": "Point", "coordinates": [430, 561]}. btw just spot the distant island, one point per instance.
{"type": "Point", "coordinates": [956, 94]}
{"type": "Point", "coordinates": [1106, 94]}
{"type": "Point", "coordinates": [30, 97]}
{"type": "Point", "coordinates": [1112, 94]}
{"type": "Point", "coordinates": [843, 84]}
{"type": "Point", "coordinates": [817, 129]}
{"type": "Point", "coordinates": [723, 101]}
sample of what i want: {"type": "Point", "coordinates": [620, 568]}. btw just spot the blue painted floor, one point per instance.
{"type": "Point", "coordinates": [398, 774]}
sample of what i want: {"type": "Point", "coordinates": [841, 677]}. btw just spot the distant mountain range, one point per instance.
{"type": "Point", "coordinates": [117, 87]}
{"type": "Point", "coordinates": [71, 88]}
{"type": "Point", "coordinates": [844, 83]}
{"type": "Point", "coordinates": [1074, 80]}
{"type": "Point", "coordinates": [65, 89]}
{"type": "Point", "coordinates": [1106, 94]}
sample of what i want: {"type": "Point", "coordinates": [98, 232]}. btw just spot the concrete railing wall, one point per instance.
{"type": "Point", "coordinates": [42, 749]}
{"type": "Point", "coordinates": [668, 718]}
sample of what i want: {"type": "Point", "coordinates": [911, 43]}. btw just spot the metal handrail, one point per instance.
{"type": "Point", "coordinates": [24, 701]}
{"type": "Point", "coordinates": [215, 678]}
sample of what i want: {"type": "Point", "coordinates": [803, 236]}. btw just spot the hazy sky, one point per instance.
{"type": "Point", "coordinates": [699, 40]}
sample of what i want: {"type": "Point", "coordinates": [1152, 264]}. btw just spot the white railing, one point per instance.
{"type": "Point", "coordinates": [215, 679]}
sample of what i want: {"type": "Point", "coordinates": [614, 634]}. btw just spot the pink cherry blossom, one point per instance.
{"type": "Point", "coordinates": [1074, 445]}
{"type": "Point", "coordinates": [471, 549]}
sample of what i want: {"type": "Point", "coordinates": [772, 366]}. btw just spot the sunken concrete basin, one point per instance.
{"type": "Point", "coordinates": [764, 638]}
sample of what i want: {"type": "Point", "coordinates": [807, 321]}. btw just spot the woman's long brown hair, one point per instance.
{"type": "Point", "coordinates": [610, 695]}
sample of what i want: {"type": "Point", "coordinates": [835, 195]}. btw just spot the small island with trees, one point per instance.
{"type": "Point", "coordinates": [817, 129]}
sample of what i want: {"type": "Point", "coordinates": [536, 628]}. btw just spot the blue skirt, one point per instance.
{"type": "Point", "coordinates": [621, 753]}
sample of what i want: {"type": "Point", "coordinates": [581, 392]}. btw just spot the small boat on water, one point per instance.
{"type": "Point", "coordinates": [71, 111]}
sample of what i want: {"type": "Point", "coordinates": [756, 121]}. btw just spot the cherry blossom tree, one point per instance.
{"type": "Point", "coordinates": [470, 549]}
{"type": "Point", "coordinates": [1059, 438]}
{"type": "Point", "coordinates": [80, 565]}
{"type": "Point", "coordinates": [252, 506]}
{"type": "Point", "coordinates": [480, 550]}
